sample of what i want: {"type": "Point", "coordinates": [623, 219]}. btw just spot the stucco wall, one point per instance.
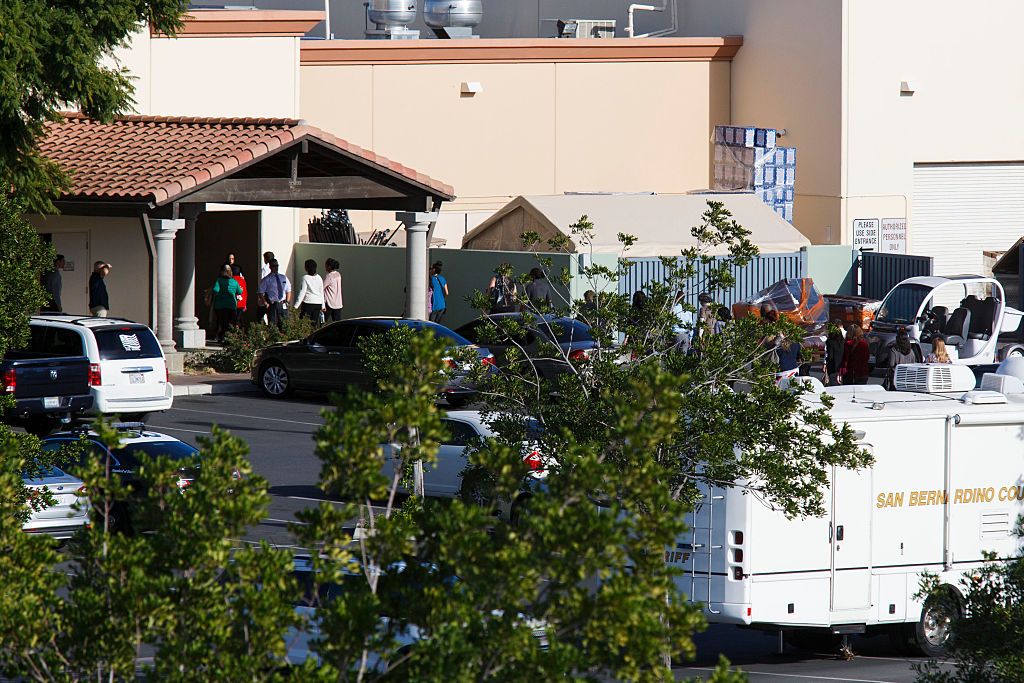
{"type": "Point", "coordinates": [789, 75]}
{"type": "Point", "coordinates": [214, 76]}
{"type": "Point", "coordinates": [118, 241]}
{"type": "Point", "coordinates": [964, 62]}
{"type": "Point", "coordinates": [536, 127]}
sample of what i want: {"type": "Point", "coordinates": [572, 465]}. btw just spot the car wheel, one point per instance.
{"type": "Point", "coordinates": [274, 380]}
{"type": "Point", "coordinates": [934, 630]}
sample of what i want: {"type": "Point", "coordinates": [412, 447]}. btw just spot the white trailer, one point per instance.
{"type": "Point", "coordinates": [947, 484]}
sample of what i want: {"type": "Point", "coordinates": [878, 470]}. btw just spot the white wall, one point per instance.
{"type": "Point", "coordinates": [965, 62]}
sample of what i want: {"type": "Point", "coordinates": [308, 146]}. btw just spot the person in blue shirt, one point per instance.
{"type": "Point", "coordinates": [438, 293]}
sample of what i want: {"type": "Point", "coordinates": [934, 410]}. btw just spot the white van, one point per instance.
{"type": "Point", "coordinates": [127, 372]}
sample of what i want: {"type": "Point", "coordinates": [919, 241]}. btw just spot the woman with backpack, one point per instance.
{"type": "Point", "coordinates": [502, 290]}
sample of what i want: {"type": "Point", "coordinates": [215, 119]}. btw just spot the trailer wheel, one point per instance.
{"type": "Point", "coordinates": [933, 632]}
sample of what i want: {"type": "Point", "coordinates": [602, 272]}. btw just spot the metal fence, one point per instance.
{"type": "Point", "coordinates": [762, 271]}
{"type": "Point", "coordinates": [881, 272]}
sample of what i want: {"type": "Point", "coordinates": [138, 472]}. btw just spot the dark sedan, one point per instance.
{"type": "Point", "coordinates": [549, 341]}
{"type": "Point", "coordinates": [330, 359]}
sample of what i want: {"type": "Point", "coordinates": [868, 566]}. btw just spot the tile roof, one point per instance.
{"type": "Point", "coordinates": [160, 158]}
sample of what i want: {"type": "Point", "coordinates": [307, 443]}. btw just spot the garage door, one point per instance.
{"type": "Point", "coordinates": [961, 210]}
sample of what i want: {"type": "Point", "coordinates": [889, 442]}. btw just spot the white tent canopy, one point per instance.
{"type": "Point", "coordinates": [661, 223]}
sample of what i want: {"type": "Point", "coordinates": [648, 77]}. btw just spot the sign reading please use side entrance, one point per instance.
{"type": "Point", "coordinates": [885, 235]}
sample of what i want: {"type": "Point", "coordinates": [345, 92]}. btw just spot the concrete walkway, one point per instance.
{"type": "Point", "coordinates": [205, 385]}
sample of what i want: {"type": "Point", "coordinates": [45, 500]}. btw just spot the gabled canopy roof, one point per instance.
{"type": "Point", "coordinates": [146, 162]}
{"type": "Point", "coordinates": [661, 223]}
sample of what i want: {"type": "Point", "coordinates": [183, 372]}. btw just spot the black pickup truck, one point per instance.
{"type": "Point", "coordinates": [47, 390]}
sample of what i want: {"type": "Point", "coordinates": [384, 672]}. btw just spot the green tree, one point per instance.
{"type": "Point", "coordinates": [55, 56]}
{"type": "Point", "coordinates": [986, 623]}
{"type": "Point", "coordinates": [537, 583]}
{"type": "Point", "coordinates": [23, 259]}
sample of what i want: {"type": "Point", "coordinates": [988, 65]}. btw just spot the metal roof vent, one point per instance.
{"type": "Point", "coordinates": [933, 378]}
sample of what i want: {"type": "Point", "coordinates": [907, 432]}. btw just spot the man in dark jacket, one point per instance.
{"type": "Point", "coordinates": [99, 303]}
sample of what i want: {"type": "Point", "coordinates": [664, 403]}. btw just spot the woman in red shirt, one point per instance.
{"type": "Point", "coordinates": [236, 272]}
{"type": "Point", "coordinates": [855, 368]}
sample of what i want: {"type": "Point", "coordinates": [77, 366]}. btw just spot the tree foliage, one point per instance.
{"type": "Point", "coordinates": [23, 259]}
{"type": "Point", "coordinates": [986, 638]}
{"type": "Point", "coordinates": [56, 55]}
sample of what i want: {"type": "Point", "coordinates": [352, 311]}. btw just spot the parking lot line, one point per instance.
{"type": "Point", "coordinates": [251, 417]}
{"type": "Point", "coordinates": [813, 678]}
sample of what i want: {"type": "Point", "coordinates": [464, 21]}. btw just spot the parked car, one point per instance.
{"type": "Point", "coordinates": [300, 641]}
{"type": "Point", "coordinates": [549, 341]}
{"type": "Point", "coordinates": [70, 509]}
{"type": "Point", "coordinates": [444, 478]}
{"type": "Point", "coordinates": [128, 372]}
{"type": "Point", "coordinates": [330, 359]}
{"type": "Point", "coordinates": [48, 388]}
{"type": "Point", "coordinates": [135, 440]}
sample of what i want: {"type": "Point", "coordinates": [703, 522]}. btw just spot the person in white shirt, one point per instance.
{"type": "Point", "coordinates": [261, 310]}
{"type": "Point", "coordinates": [310, 300]}
{"type": "Point", "coordinates": [275, 292]}
{"type": "Point", "coordinates": [683, 327]}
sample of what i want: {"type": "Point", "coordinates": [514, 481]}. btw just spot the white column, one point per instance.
{"type": "Point", "coordinates": [163, 234]}
{"type": "Point", "coordinates": [416, 255]}
{"type": "Point", "coordinates": [187, 333]}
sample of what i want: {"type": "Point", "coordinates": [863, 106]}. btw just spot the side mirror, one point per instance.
{"type": "Point", "coordinates": [313, 346]}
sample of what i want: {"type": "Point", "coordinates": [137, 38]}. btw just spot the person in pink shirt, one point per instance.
{"type": "Point", "coordinates": [332, 290]}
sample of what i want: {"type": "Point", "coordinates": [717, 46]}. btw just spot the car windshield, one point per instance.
{"type": "Point", "coordinates": [567, 330]}
{"type": "Point", "coordinates": [901, 305]}
{"type": "Point", "coordinates": [452, 338]}
{"type": "Point", "coordinates": [126, 342]}
{"type": "Point", "coordinates": [129, 453]}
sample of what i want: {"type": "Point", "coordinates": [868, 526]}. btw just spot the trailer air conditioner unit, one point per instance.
{"type": "Point", "coordinates": [933, 378]}
{"type": "Point", "coordinates": [1004, 384]}
{"type": "Point", "coordinates": [587, 28]}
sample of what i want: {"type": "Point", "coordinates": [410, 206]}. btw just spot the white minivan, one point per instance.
{"type": "Point", "coordinates": [127, 369]}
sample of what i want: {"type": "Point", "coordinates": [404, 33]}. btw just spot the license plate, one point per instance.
{"type": "Point", "coordinates": [136, 378]}
{"type": "Point", "coordinates": [51, 402]}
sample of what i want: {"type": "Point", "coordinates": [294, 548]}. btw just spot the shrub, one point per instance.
{"type": "Point", "coordinates": [242, 342]}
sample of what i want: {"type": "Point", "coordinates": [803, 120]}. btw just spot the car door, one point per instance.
{"type": "Point", "coordinates": [353, 362]}
{"type": "Point", "coordinates": [322, 363]}
{"type": "Point", "coordinates": [444, 478]}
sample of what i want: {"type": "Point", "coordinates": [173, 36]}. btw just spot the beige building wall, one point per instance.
{"type": "Point", "coordinates": [120, 242]}
{"type": "Point", "coordinates": [789, 75]}
{"type": "Point", "coordinates": [537, 127]}
{"type": "Point", "coordinates": [964, 64]}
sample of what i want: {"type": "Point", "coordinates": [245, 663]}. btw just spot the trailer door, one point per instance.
{"type": "Point", "coordinates": [850, 536]}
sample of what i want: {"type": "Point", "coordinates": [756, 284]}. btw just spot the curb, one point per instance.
{"type": "Point", "coordinates": [231, 386]}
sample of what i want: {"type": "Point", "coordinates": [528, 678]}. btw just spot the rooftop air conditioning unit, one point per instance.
{"type": "Point", "coordinates": [1004, 384]}
{"type": "Point", "coordinates": [586, 28]}
{"type": "Point", "coordinates": [933, 378]}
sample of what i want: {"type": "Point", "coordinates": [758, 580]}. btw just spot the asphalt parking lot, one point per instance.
{"type": "Point", "coordinates": [279, 434]}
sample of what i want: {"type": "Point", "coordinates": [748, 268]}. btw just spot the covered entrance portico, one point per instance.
{"type": "Point", "coordinates": [166, 172]}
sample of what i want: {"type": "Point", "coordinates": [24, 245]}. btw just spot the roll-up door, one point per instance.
{"type": "Point", "coordinates": [962, 210]}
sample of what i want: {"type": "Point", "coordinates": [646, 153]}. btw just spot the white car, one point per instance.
{"type": "Point", "coordinates": [70, 510]}
{"type": "Point", "coordinates": [128, 371]}
{"type": "Point", "coordinates": [443, 478]}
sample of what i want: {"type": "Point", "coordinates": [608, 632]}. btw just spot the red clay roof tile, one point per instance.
{"type": "Point", "coordinates": [157, 158]}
